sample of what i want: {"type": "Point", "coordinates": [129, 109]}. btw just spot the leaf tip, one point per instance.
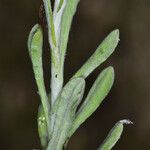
{"type": "Point", "coordinates": [126, 121]}
{"type": "Point", "coordinates": [116, 34]}
{"type": "Point", "coordinates": [35, 28]}
{"type": "Point", "coordinates": [111, 70]}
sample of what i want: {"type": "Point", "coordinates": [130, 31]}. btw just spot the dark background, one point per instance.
{"type": "Point", "coordinates": [129, 98]}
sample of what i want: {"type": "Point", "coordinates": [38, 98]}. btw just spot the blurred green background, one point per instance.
{"type": "Point", "coordinates": [129, 98]}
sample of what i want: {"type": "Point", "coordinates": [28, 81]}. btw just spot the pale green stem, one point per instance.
{"type": "Point", "coordinates": [56, 70]}
{"type": "Point", "coordinates": [56, 78]}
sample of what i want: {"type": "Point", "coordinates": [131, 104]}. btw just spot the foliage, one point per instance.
{"type": "Point", "coordinates": [58, 116]}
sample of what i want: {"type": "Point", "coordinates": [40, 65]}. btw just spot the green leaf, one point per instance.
{"type": "Point", "coordinates": [114, 135]}
{"type": "Point", "coordinates": [64, 111]}
{"type": "Point", "coordinates": [35, 44]}
{"type": "Point", "coordinates": [67, 17]}
{"type": "Point", "coordinates": [59, 7]}
{"type": "Point", "coordinates": [96, 95]}
{"type": "Point", "coordinates": [105, 49]}
{"type": "Point", "coordinates": [50, 22]}
{"type": "Point", "coordinates": [42, 127]}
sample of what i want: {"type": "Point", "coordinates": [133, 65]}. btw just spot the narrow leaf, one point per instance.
{"type": "Point", "coordinates": [67, 17]}
{"type": "Point", "coordinates": [42, 127]}
{"type": "Point", "coordinates": [50, 22]}
{"type": "Point", "coordinates": [59, 7]}
{"type": "Point", "coordinates": [96, 95]}
{"type": "Point", "coordinates": [114, 135]}
{"type": "Point", "coordinates": [35, 43]}
{"type": "Point", "coordinates": [64, 111]}
{"type": "Point", "coordinates": [105, 49]}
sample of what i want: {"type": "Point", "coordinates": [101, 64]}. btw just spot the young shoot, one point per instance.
{"type": "Point", "coordinates": [58, 116]}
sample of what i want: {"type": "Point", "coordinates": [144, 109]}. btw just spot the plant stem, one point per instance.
{"type": "Point", "coordinates": [56, 69]}
{"type": "Point", "coordinates": [56, 77]}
